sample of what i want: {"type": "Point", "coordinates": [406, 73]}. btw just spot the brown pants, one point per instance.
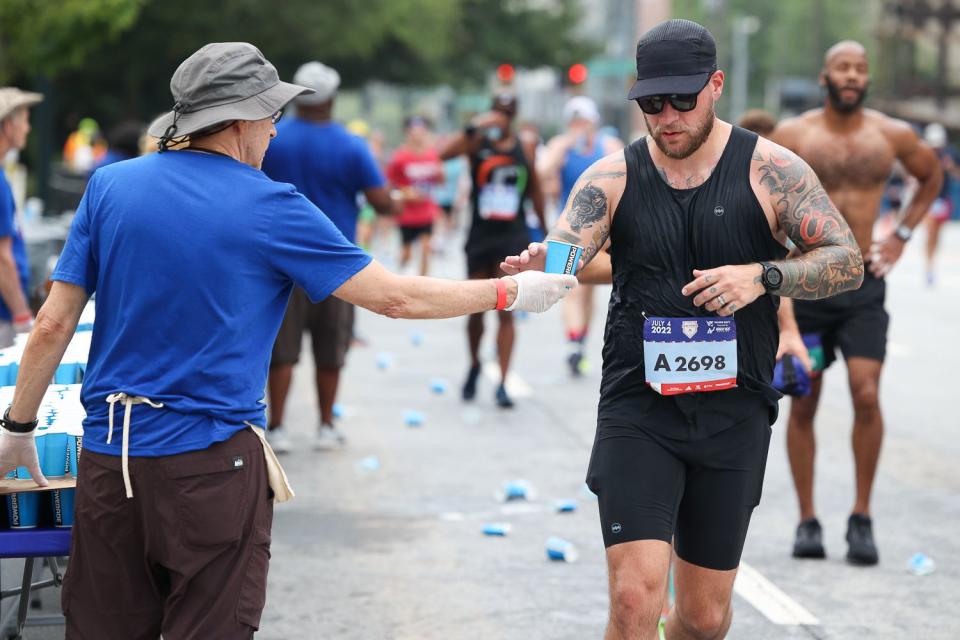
{"type": "Point", "coordinates": [186, 557]}
{"type": "Point", "coordinates": [330, 323]}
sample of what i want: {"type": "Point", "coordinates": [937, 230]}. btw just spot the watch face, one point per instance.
{"type": "Point", "coordinates": [773, 276]}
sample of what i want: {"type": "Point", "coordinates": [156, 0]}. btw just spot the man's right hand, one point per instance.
{"type": "Point", "coordinates": [533, 258]}
{"type": "Point", "coordinates": [20, 450]}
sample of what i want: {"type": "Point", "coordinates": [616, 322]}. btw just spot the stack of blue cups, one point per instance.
{"type": "Point", "coordinates": [58, 453]}
{"type": "Point", "coordinates": [23, 509]}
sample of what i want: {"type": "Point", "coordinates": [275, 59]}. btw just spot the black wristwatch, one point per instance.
{"type": "Point", "coordinates": [470, 130]}
{"type": "Point", "coordinates": [17, 427]}
{"type": "Point", "coordinates": [771, 277]}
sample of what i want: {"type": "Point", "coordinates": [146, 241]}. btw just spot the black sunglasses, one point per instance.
{"type": "Point", "coordinates": [652, 105]}
{"type": "Point", "coordinates": [275, 118]}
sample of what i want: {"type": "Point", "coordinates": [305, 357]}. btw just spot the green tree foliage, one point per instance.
{"type": "Point", "coordinates": [113, 59]}
{"type": "Point", "coordinates": [51, 37]}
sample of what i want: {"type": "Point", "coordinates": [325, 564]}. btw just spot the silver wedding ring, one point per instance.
{"type": "Point", "coordinates": [721, 300]}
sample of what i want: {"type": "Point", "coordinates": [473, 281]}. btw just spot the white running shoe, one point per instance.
{"type": "Point", "coordinates": [328, 438]}
{"type": "Point", "coordinates": [279, 441]}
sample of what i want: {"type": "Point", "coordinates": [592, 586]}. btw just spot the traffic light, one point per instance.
{"type": "Point", "coordinates": [577, 73]}
{"type": "Point", "coordinates": [505, 73]}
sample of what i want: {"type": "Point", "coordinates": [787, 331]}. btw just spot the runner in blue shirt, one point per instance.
{"type": "Point", "coordinates": [569, 154]}
{"type": "Point", "coordinates": [192, 254]}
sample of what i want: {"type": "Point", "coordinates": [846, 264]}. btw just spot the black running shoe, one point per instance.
{"type": "Point", "coordinates": [470, 386]}
{"type": "Point", "coordinates": [503, 400]}
{"type": "Point", "coordinates": [862, 549]}
{"type": "Point", "coordinates": [809, 540]}
{"type": "Point", "coordinates": [573, 361]}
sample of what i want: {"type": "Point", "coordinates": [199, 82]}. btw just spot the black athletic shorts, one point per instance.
{"type": "Point", "coordinates": [409, 234]}
{"type": "Point", "coordinates": [699, 494]}
{"type": "Point", "coordinates": [855, 321]}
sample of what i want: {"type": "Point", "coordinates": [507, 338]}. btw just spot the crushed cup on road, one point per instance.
{"type": "Point", "coordinates": [922, 564]}
{"type": "Point", "coordinates": [368, 464]}
{"type": "Point", "coordinates": [439, 386]}
{"type": "Point", "coordinates": [516, 490]}
{"type": "Point", "coordinates": [500, 529]}
{"type": "Point", "coordinates": [338, 410]}
{"type": "Point", "coordinates": [565, 506]}
{"type": "Point", "coordinates": [416, 338]}
{"type": "Point", "coordinates": [412, 418]}
{"type": "Point", "coordinates": [559, 550]}
{"type": "Point", "coordinates": [384, 360]}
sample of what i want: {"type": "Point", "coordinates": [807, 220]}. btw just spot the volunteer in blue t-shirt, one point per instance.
{"type": "Point", "coordinates": [192, 254]}
{"type": "Point", "coordinates": [15, 314]}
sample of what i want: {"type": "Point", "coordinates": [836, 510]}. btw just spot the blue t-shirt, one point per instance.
{"type": "Point", "coordinates": [10, 227]}
{"type": "Point", "coordinates": [326, 163]}
{"type": "Point", "coordinates": [578, 160]}
{"type": "Point", "coordinates": [192, 257]}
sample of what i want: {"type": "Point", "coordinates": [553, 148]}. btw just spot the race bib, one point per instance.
{"type": "Point", "coordinates": [686, 355]}
{"type": "Point", "coordinates": [499, 202]}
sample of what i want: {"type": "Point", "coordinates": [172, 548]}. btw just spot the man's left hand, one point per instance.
{"type": "Point", "coordinates": [884, 254]}
{"type": "Point", "coordinates": [725, 289]}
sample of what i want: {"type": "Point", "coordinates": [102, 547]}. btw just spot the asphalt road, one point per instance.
{"type": "Point", "coordinates": [398, 553]}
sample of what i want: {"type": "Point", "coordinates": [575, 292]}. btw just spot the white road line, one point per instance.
{"type": "Point", "coordinates": [769, 600]}
{"type": "Point", "coordinates": [516, 386]}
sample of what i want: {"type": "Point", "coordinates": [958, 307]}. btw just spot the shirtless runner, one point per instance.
{"type": "Point", "coordinates": [852, 150]}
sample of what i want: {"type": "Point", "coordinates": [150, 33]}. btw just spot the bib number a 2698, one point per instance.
{"type": "Point", "coordinates": [683, 363]}
{"type": "Point", "coordinates": [687, 355]}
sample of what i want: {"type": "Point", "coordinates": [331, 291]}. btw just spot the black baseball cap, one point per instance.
{"type": "Point", "coordinates": [676, 56]}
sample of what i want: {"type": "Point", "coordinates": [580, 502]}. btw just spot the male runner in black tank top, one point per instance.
{"type": "Point", "coordinates": [692, 213]}
{"type": "Point", "coordinates": [502, 178]}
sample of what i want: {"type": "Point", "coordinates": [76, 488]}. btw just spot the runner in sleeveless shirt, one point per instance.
{"type": "Point", "coordinates": [569, 154]}
{"type": "Point", "coordinates": [501, 169]}
{"type": "Point", "coordinates": [693, 213]}
{"type": "Point", "coordinates": [853, 149]}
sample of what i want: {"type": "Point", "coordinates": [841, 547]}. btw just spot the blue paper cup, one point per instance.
{"type": "Point", "coordinates": [23, 509]}
{"type": "Point", "coordinates": [61, 501]}
{"type": "Point", "coordinates": [562, 257]}
{"type": "Point", "coordinates": [54, 457]}
{"type": "Point", "coordinates": [74, 450]}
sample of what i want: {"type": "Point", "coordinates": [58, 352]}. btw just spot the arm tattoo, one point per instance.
{"type": "Point", "coordinates": [586, 209]}
{"type": "Point", "coordinates": [589, 205]}
{"type": "Point", "coordinates": [829, 260]}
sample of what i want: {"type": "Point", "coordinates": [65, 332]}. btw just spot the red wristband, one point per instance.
{"type": "Point", "coordinates": [20, 318]}
{"type": "Point", "coordinates": [501, 294]}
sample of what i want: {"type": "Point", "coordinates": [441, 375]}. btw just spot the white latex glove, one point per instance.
{"type": "Point", "coordinates": [538, 291]}
{"type": "Point", "coordinates": [20, 450]}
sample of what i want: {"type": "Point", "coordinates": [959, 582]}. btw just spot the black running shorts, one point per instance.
{"type": "Point", "coordinates": [855, 322]}
{"type": "Point", "coordinates": [699, 494]}
{"type": "Point", "coordinates": [409, 234]}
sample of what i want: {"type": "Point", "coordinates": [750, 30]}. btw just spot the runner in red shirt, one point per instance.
{"type": "Point", "coordinates": [414, 171]}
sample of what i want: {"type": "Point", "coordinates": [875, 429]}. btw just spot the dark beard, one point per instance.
{"type": "Point", "coordinates": [699, 137]}
{"type": "Point", "coordinates": [833, 93]}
